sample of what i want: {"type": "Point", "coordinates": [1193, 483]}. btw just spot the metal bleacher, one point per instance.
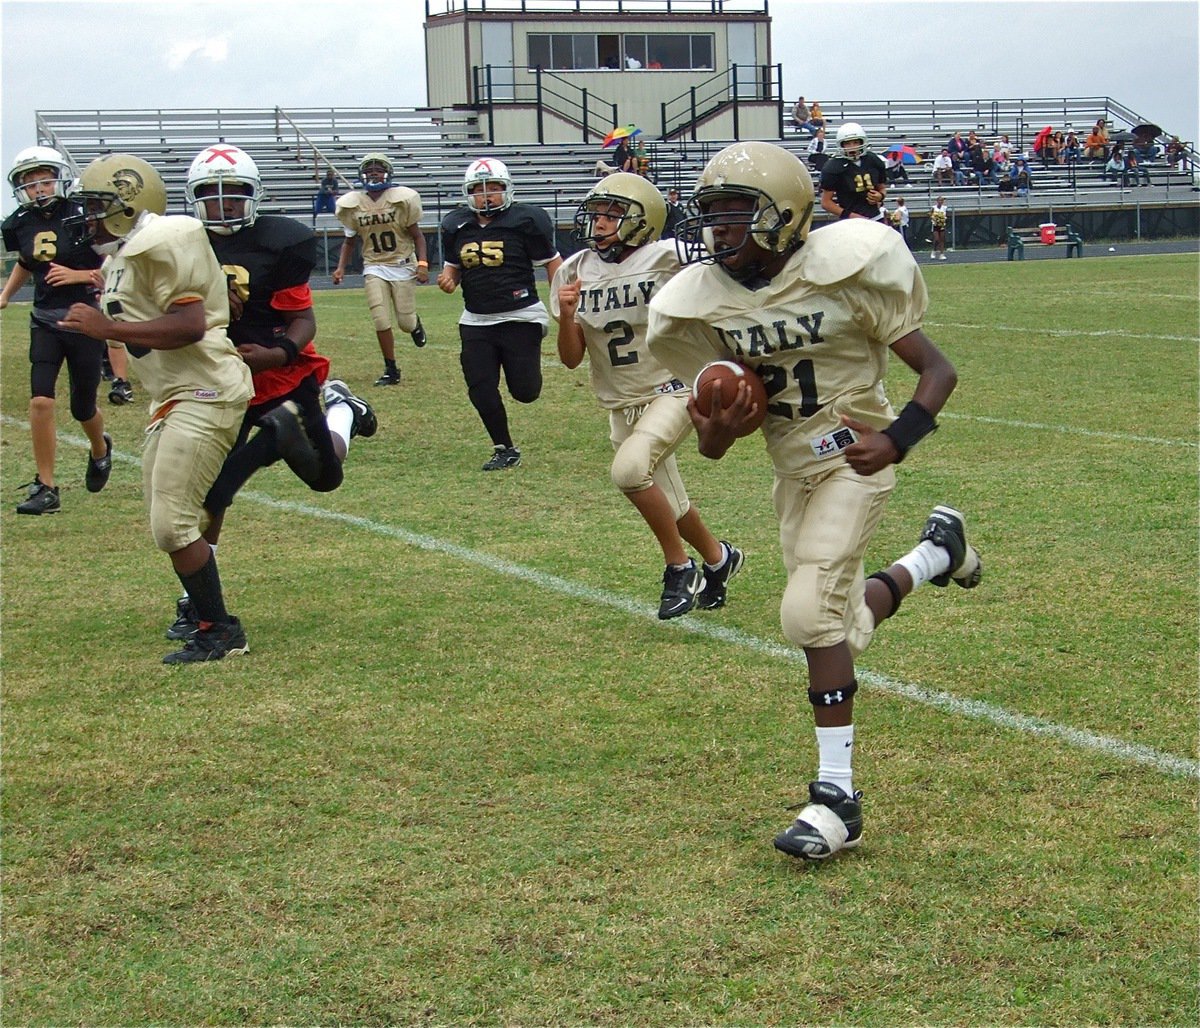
{"type": "Point", "coordinates": [430, 148]}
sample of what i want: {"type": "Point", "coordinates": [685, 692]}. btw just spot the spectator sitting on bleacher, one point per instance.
{"type": "Point", "coordinates": [816, 120]}
{"type": "Point", "coordinates": [943, 169]}
{"type": "Point", "coordinates": [1002, 146]}
{"type": "Point", "coordinates": [982, 165]}
{"type": "Point", "coordinates": [1097, 141]}
{"type": "Point", "coordinates": [1133, 169]}
{"type": "Point", "coordinates": [623, 160]}
{"type": "Point", "coordinates": [1114, 168]}
{"type": "Point", "coordinates": [957, 146]}
{"type": "Point", "coordinates": [816, 151]}
{"type": "Point", "coordinates": [1001, 161]}
{"type": "Point", "coordinates": [800, 115]}
{"type": "Point", "coordinates": [1006, 184]}
{"type": "Point", "coordinates": [1021, 176]}
{"type": "Point", "coordinates": [1072, 151]}
{"type": "Point", "coordinates": [962, 166]}
{"type": "Point", "coordinates": [894, 165]}
{"type": "Point", "coordinates": [1176, 154]}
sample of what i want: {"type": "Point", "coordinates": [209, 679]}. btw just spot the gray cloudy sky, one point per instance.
{"type": "Point", "coordinates": [213, 53]}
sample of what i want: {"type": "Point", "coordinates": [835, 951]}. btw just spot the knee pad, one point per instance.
{"type": "Point", "coordinates": [802, 614]}
{"type": "Point", "coordinates": [631, 465]}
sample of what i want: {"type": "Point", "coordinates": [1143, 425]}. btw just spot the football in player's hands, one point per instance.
{"type": "Point", "coordinates": [729, 374]}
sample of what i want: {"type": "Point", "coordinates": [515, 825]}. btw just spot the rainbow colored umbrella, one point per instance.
{"type": "Point", "coordinates": [624, 132]}
{"type": "Point", "coordinates": [907, 154]}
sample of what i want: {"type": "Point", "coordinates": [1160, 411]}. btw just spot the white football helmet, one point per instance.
{"type": "Point", "coordinates": [774, 179]}
{"type": "Point", "coordinates": [488, 169]}
{"type": "Point", "coordinates": [641, 214]}
{"type": "Point", "coordinates": [375, 173]}
{"type": "Point", "coordinates": [117, 190]}
{"type": "Point", "coordinates": [31, 159]}
{"type": "Point", "coordinates": [852, 140]}
{"type": "Point", "coordinates": [221, 173]}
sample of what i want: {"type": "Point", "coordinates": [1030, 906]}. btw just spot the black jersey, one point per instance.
{"type": "Point", "coordinates": [37, 236]}
{"type": "Point", "coordinates": [274, 253]}
{"type": "Point", "coordinates": [497, 260]}
{"type": "Point", "coordinates": [850, 181]}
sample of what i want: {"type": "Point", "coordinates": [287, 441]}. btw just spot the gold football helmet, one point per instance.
{"type": "Point", "coordinates": [116, 190]}
{"type": "Point", "coordinates": [774, 179]}
{"type": "Point", "coordinates": [638, 207]}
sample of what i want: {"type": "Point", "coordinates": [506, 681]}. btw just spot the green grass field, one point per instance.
{"type": "Point", "coordinates": [466, 777]}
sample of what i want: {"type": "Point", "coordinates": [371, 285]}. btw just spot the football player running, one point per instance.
{"type": "Point", "coordinates": [385, 216]}
{"type": "Point", "coordinates": [165, 298]}
{"type": "Point", "coordinates": [63, 273]}
{"type": "Point", "coordinates": [491, 247]}
{"type": "Point", "coordinates": [816, 315]}
{"type": "Point", "coordinates": [267, 260]}
{"type": "Point", "coordinates": [854, 181]}
{"type": "Point", "coordinates": [620, 222]}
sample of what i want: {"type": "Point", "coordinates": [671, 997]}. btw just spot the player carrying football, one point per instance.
{"type": "Point", "coordinates": [816, 315]}
{"type": "Point", "coordinates": [601, 297]}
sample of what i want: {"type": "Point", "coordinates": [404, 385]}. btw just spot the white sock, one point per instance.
{"type": "Point", "coordinates": [925, 562]}
{"type": "Point", "coordinates": [721, 563]}
{"type": "Point", "coordinates": [835, 747]}
{"type": "Point", "coordinates": [340, 419]}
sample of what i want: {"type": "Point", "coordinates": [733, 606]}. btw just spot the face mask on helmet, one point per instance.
{"type": "Point", "coordinates": [750, 193]}
{"type": "Point", "coordinates": [375, 173]}
{"type": "Point", "coordinates": [487, 186]}
{"type": "Point", "coordinates": [635, 206]}
{"type": "Point", "coordinates": [223, 188]}
{"type": "Point", "coordinates": [40, 177]}
{"type": "Point", "coordinates": [115, 191]}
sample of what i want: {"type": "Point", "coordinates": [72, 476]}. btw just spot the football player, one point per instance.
{"type": "Point", "coordinates": [600, 297]}
{"type": "Point", "coordinates": [63, 272]}
{"type": "Point", "coordinates": [854, 180]}
{"type": "Point", "coordinates": [492, 247]}
{"type": "Point", "coordinates": [267, 260]}
{"type": "Point", "coordinates": [385, 216]}
{"type": "Point", "coordinates": [165, 298]}
{"type": "Point", "coordinates": [816, 316]}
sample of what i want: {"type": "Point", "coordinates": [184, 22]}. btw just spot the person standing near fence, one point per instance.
{"type": "Point", "coordinates": [385, 217]}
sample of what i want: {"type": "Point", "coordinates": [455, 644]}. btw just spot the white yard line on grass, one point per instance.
{"type": "Point", "coordinates": [1132, 753]}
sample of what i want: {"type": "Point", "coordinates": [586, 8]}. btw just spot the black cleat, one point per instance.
{"type": "Point", "coordinates": [681, 586]}
{"type": "Point", "coordinates": [504, 458]}
{"type": "Point", "coordinates": [830, 821]}
{"type": "Point", "coordinates": [418, 334]}
{"type": "Point", "coordinates": [390, 377]}
{"type": "Point", "coordinates": [220, 640]}
{"type": "Point", "coordinates": [716, 581]}
{"type": "Point", "coordinates": [365, 423]}
{"type": "Point", "coordinates": [106, 371]}
{"type": "Point", "coordinates": [947, 528]}
{"type": "Point", "coordinates": [121, 392]}
{"type": "Point", "coordinates": [43, 499]}
{"type": "Point", "coordinates": [292, 441]}
{"type": "Point", "coordinates": [96, 476]}
{"type": "Point", "coordinates": [185, 623]}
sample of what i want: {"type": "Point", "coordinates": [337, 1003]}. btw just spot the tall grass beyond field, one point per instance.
{"type": "Point", "coordinates": [465, 776]}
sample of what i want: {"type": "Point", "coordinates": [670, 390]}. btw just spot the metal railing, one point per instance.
{"type": "Point", "coordinates": [727, 89]}
{"type": "Point", "coordinates": [493, 85]}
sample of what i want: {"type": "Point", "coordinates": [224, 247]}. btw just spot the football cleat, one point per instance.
{"type": "Point", "coordinates": [185, 622]}
{"type": "Point", "coordinates": [365, 423]}
{"type": "Point", "coordinates": [504, 458]}
{"type": "Point", "coordinates": [390, 377]}
{"type": "Point", "coordinates": [106, 371]}
{"type": "Point", "coordinates": [716, 581]}
{"type": "Point", "coordinates": [947, 528]}
{"type": "Point", "coordinates": [829, 822]}
{"type": "Point", "coordinates": [681, 586]}
{"type": "Point", "coordinates": [96, 476]}
{"type": "Point", "coordinates": [43, 499]}
{"type": "Point", "coordinates": [121, 392]}
{"type": "Point", "coordinates": [220, 640]}
{"type": "Point", "coordinates": [418, 334]}
{"type": "Point", "coordinates": [292, 442]}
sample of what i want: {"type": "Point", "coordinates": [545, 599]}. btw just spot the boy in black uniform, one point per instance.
{"type": "Point", "coordinates": [854, 182]}
{"type": "Point", "coordinates": [492, 246]}
{"type": "Point", "coordinates": [63, 272]}
{"type": "Point", "coordinates": [268, 261]}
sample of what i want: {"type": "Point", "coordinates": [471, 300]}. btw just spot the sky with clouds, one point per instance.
{"type": "Point", "coordinates": [109, 54]}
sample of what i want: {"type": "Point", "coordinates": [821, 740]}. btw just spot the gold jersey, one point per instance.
{"type": "Point", "coordinates": [614, 304]}
{"type": "Point", "coordinates": [382, 222]}
{"type": "Point", "coordinates": [818, 333]}
{"type": "Point", "coordinates": [168, 260]}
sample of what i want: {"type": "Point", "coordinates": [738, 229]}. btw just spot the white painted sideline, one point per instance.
{"type": "Point", "coordinates": [1130, 753]}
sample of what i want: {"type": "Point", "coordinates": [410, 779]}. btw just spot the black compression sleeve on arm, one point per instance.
{"type": "Point", "coordinates": [913, 425]}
